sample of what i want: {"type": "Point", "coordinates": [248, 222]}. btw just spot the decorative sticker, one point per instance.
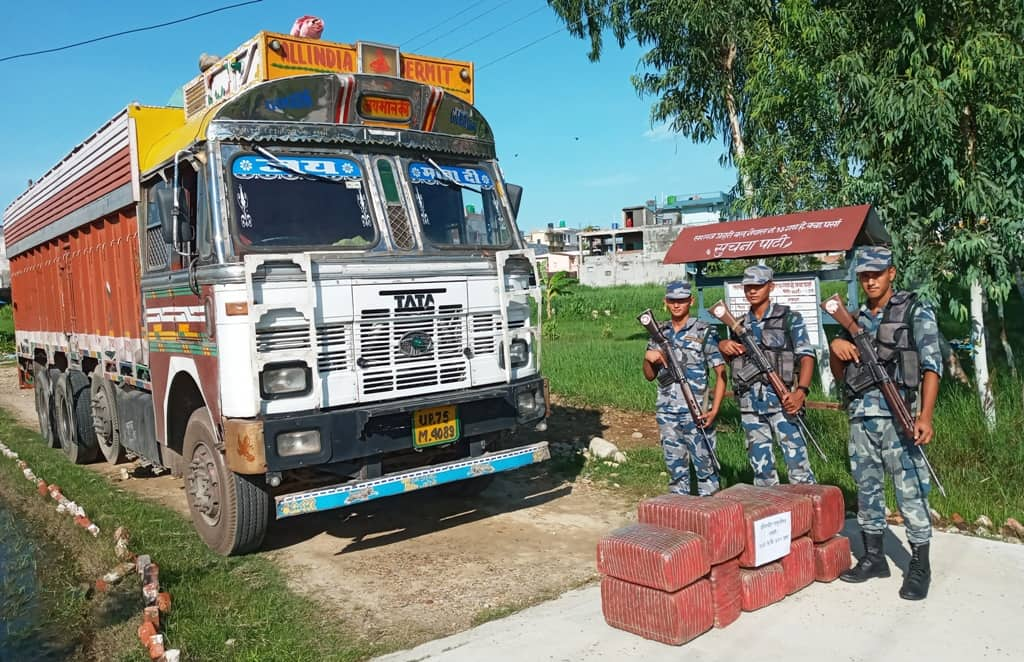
{"type": "Point", "coordinates": [257, 167]}
{"type": "Point", "coordinates": [424, 173]}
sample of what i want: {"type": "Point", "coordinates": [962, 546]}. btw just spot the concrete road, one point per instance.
{"type": "Point", "coordinates": [975, 611]}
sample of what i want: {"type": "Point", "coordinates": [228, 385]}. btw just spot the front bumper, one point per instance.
{"type": "Point", "coordinates": [371, 431]}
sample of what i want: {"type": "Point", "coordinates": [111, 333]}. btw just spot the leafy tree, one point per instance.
{"type": "Point", "coordinates": [556, 285]}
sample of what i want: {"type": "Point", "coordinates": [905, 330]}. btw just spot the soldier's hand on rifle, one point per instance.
{"type": "Point", "coordinates": [793, 401]}
{"type": "Point", "coordinates": [844, 350]}
{"type": "Point", "coordinates": [654, 357]}
{"type": "Point", "coordinates": [730, 348]}
{"type": "Point", "coordinates": [710, 416]}
{"type": "Point", "coordinates": [923, 431]}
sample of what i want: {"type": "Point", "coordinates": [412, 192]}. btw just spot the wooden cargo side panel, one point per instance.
{"type": "Point", "coordinates": [84, 282]}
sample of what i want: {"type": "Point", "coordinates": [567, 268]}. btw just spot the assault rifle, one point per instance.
{"type": "Point", "coordinates": [675, 373]}
{"type": "Point", "coordinates": [869, 357]}
{"type": "Point", "coordinates": [764, 367]}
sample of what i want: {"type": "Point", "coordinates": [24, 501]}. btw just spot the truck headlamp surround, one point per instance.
{"type": "Point", "coordinates": [285, 380]}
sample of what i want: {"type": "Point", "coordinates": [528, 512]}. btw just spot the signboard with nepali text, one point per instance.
{"type": "Point", "coordinates": [819, 231]}
{"type": "Point", "coordinates": [800, 294]}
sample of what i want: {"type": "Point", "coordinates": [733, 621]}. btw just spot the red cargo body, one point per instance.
{"type": "Point", "coordinates": [798, 564]}
{"type": "Point", "coordinates": [800, 508]}
{"type": "Point", "coordinates": [652, 556]}
{"type": "Point", "coordinates": [85, 282]}
{"type": "Point", "coordinates": [725, 592]}
{"type": "Point", "coordinates": [831, 558]}
{"type": "Point", "coordinates": [829, 510]}
{"type": "Point", "coordinates": [762, 586]}
{"type": "Point", "coordinates": [719, 522]}
{"type": "Point", "coordinates": [671, 618]}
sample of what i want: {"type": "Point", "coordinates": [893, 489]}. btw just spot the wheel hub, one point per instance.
{"type": "Point", "coordinates": [203, 485]}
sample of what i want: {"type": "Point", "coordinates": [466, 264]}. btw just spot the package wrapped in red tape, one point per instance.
{"type": "Point", "coordinates": [798, 564]}
{"type": "Point", "coordinates": [799, 506]}
{"type": "Point", "coordinates": [671, 618]}
{"type": "Point", "coordinates": [725, 592]}
{"type": "Point", "coordinates": [831, 558]}
{"type": "Point", "coordinates": [760, 587]}
{"type": "Point", "coordinates": [752, 509]}
{"type": "Point", "coordinates": [828, 508]}
{"type": "Point", "coordinates": [719, 522]}
{"type": "Point", "coordinates": [661, 558]}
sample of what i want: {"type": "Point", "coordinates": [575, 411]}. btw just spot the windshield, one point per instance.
{"type": "Point", "coordinates": [297, 200]}
{"type": "Point", "coordinates": [457, 206]}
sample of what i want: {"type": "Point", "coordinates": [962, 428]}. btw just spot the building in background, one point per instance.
{"type": "Point", "coordinates": [631, 251]}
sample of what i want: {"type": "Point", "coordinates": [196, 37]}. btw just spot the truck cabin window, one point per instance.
{"type": "Point", "coordinates": [457, 206]}
{"type": "Point", "coordinates": [301, 201]}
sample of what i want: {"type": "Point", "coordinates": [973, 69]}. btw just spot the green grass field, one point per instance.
{"type": "Point", "coordinates": [594, 360]}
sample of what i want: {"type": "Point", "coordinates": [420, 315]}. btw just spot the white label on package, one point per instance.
{"type": "Point", "coordinates": [771, 538]}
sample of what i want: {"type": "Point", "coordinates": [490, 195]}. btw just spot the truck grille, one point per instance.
{"type": "Point", "coordinates": [387, 367]}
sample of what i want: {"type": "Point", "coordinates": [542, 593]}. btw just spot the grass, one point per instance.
{"type": "Point", "coordinates": [215, 599]}
{"type": "Point", "coordinates": [594, 361]}
{"type": "Point", "coordinates": [6, 330]}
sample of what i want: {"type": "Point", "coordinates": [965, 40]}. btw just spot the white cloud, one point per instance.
{"type": "Point", "coordinates": [659, 133]}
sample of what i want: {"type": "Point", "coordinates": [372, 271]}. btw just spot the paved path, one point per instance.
{"type": "Point", "coordinates": [975, 611]}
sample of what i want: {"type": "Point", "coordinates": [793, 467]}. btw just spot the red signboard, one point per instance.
{"type": "Point", "coordinates": [818, 231]}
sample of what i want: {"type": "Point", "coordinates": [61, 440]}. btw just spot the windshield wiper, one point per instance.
{"type": "Point", "coordinates": [448, 179]}
{"type": "Point", "coordinates": [282, 165]}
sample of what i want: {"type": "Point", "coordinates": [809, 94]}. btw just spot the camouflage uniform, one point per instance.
{"type": "Point", "coordinates": [696, 345]}
{"type": "Point", "coordinates": [761, 411]}
{"type": "Point", "coordinates": [876, 447]}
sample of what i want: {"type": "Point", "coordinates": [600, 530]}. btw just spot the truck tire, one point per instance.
{"type": "Point", "coordinates": [73, 417]}
{"type": "Point", "coordinates": [44, 405]}
{"type": "Point", "coordinates": [230, 511]}
{"type": "Point", "coordinates": [106, 425]}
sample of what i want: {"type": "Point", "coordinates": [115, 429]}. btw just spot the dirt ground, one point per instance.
{"type": "Point", "coordinates": [422, 565]}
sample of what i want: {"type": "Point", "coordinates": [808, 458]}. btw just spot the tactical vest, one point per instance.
{"type": "Point", "coordinates": [777, 345]}
{"type": "Point", "coordinates": [894, 343]}
{"type": "Point", "coordinates": [698, 330]}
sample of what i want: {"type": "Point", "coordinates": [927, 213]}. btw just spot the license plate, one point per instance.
{"type": "Point", "coordinates": [437, 425]}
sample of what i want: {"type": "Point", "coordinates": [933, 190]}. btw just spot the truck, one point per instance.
{"type": "Point", "coordinates": [301, 290]}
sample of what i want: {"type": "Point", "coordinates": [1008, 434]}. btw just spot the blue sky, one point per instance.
{"type": "Point", "coordinates": [573, 133]}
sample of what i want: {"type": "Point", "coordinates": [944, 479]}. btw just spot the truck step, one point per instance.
{"type": "Point", "coordinates": [347, 494]}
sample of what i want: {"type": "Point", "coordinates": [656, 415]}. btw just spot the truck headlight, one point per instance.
{"type": "Point", "coordinates": [518, 275]}
{"type": "Point", "coordinates": [303, 442]}
{"type": "Point", "coordinates": [279, 380]}
{"type": "Point", "coordinates": [519, 352]}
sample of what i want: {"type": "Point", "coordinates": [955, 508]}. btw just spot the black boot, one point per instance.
{"type": "Point", "coordinates": [919, 574]}
{"type": "Point", "coordinates": [872, 564]}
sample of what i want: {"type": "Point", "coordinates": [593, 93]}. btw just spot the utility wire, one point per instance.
{"type": "Point", "coordinates": [521, 48]}
{"type": "Point", "coordinates": [494, 32]}
{"type": "Point", "coordinates": [434, 27]}
{"type": "Point", "coordinates": [132, 31]}
{"type": "Point", "coordinates": [464, 24]}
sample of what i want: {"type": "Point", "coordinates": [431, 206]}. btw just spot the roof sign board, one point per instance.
{"type": "Point", "coordinates": [817, 231]}
{"type": "Point", "coordinates": [800, 294]}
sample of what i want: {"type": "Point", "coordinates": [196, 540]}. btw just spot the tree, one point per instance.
{"type": "Point", "coordinates": [556, 285]}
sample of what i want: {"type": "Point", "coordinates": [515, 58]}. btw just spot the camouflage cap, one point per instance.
{"type": "Point", "coordinates": [873, 258]}
{"type": "Point", "coordinates": [678, 289]}
{"type": "Point", "coordinates": [758, 274]}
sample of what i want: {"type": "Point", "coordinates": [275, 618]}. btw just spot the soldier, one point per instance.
{"type": "Point", "coordinates": [906, 336]}
{"type": "Point", "coordinates": [782, 334]}
{"type": "Point", "coordinates": [681, 441]}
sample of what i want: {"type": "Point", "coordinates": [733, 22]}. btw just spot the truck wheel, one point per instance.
{"type": "Point", "coordinates": [73, 415]}
{"type": "Point", "coordinates": [44, 404]}
{"type": "Point", "coordinates": [104, 418]}
{"type": "Point", "coordinates": [230, 511]}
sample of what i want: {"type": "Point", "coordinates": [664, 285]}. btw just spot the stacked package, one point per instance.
{"type": "Point", "coordinates": [690, 562]}
{"type": "Point", "coordinates": [652, 584]}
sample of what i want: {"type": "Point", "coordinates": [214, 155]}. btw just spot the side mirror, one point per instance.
{"type": "Point", "coordinates": [515, 196]}
{"type": "Point", "coordinates": [161, 206]}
